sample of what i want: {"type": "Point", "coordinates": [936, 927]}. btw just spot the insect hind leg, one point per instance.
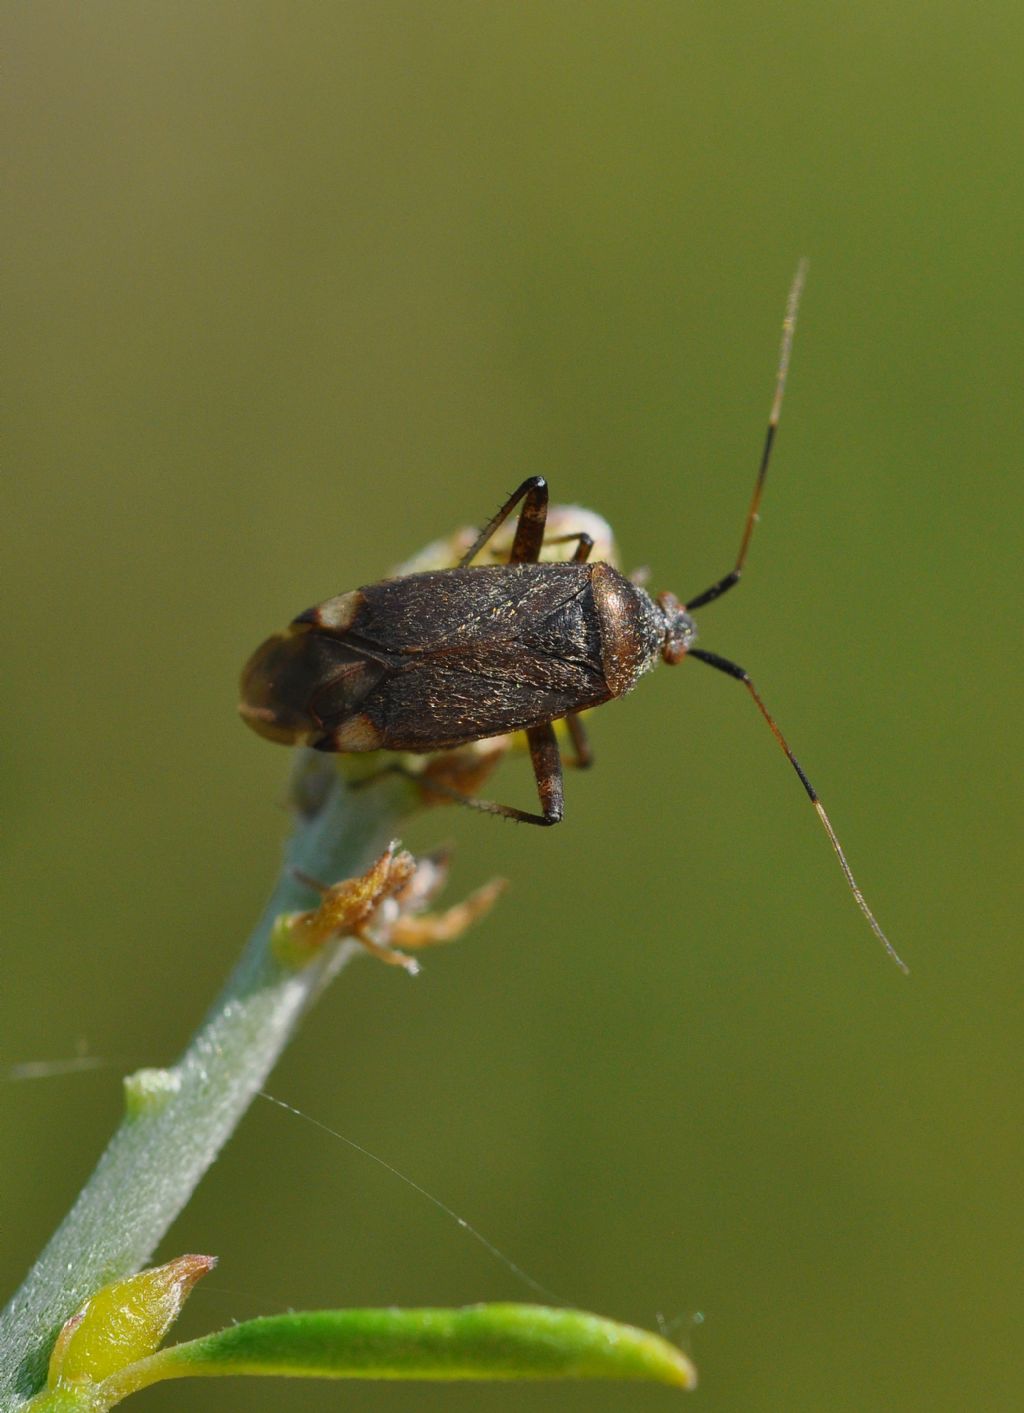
{"type": "Point", "coordinates": [547, 768]}
{"type": "Point", "coordinates": [529, 534]}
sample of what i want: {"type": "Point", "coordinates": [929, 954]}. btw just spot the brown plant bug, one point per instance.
{"type": "Point", "coordinates": [435, 660]}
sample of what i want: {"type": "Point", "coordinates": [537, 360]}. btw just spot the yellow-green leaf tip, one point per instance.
{"type": "Point", "coordinates": [123, 1322]}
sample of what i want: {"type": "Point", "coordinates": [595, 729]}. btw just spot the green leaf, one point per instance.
{"type": "Point", "coordinates": [478, 1342]}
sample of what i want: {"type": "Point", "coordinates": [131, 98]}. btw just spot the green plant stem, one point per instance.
{"type": "Point", "coordinates": [178, 1119]}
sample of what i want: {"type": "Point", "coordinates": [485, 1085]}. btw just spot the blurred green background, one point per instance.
{"type": "Point", "coordinates": [295, 288]}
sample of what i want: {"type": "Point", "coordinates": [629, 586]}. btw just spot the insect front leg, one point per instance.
{"type": "Point", "coordinates": [529, 534]}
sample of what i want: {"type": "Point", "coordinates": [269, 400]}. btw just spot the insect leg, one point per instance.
{"type": "Point", "coordinates": [529, 532]}
{"type": "Point", "coordinates": [580, 742]}
{"type": "Point", "coordinates": [547, 767]}
{"type": "Point", "coordinates": [585, 544]}
{"type": "Point", "coordinates": [733, 670]}
{"type": "Point", "coordinates": [788, 328]}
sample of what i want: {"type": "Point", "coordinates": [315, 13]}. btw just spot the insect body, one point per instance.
{"type": "Point", "coordinates": [431, 661]}
{"type": "Point", "coordinates": [435, 660]}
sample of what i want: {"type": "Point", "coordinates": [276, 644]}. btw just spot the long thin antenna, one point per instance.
{"type": "Point", "coordinates": [788, 329]}
{"type": "Point", "coordinates": [733, 670]}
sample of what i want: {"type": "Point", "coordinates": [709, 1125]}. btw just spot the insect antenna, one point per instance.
{"type": "Point", "coordinates": [733, 670]}
{"type": "Point", "coordinates": [788, 329]}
